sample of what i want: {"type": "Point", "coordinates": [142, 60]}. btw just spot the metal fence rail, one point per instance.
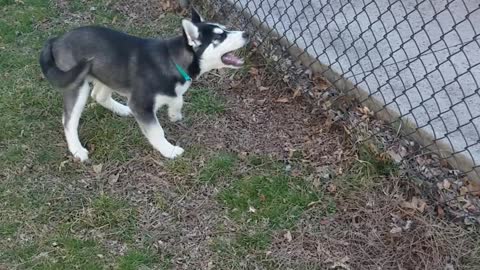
{"type": "Point", "coordinates": [418, 59]}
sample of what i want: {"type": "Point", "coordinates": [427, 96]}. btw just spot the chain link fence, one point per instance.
{"type": "Point", "coordinates": [415, 63]}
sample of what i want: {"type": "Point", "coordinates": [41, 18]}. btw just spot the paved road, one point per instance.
{"type": "Point", "coordinates": [407, 55]}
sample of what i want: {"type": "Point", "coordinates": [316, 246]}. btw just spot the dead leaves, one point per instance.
{"type": "Point", "coordinates": [112, 179]}
{"type": "Point", "coordinates": [440, 212]}
{"type": "Point", "coordinates": [332, 188]}
{"type": "Point", "coordinates": [320, 84]}
{"type": "Point", "coordinates": [415, 204]}
{"type": "Point", "coordinates": [282, 100]}
{"type": "Point", "coordinates": [445, 184]}
{"type": "Point", "coordinates": [473, 188]}
{"type": "Point", "coordinates": [97, 168]}
{"type": "Point", "coordinates": [288, 236]}
{"type": "Point", "coordinates": [365, 113]}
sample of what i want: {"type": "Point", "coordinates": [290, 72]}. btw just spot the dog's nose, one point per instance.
{"type": "Point", "coordinates": [246, 35]}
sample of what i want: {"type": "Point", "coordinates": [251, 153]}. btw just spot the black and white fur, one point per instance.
{"type": "Point", "coordinates": [143, 70]}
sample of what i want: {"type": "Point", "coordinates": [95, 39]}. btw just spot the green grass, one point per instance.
{"type": "Point", "coordinates": [367, 172]}
{"type": "Point", "coordinates": [184, 165]}
{"type": "Point", "coordinates": [9, 229]}
{"type": "Point", "coordinates": [204, 101]}
{"type": "Point", "coordinates": [75, 253]}
{"type": "Point", "coordinates": [277, 200]}
{"type": "Point", "coordinates": [263, 200]}
{"type": "Point", "coordinates": [220, 166]}
{"type": "Point", "coordinates": [136, 259]}
{"type": "Point", "coordinates": [111, 215]}
{"type": "Point", "coordinates": [375, 164]}
{"type": "Point", "coordinates": [60, 252]}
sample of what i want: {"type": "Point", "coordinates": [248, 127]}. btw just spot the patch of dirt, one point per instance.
{"type": "Point", "coordinates": [269, 121]}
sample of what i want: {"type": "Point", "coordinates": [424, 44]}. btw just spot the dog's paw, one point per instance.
{"type": "Point", "coordinates": [122, 110]}
{"type": "Point", "coordinates": [175, 152]}
{"type": "Point", "coordinates": [175, 117]}
{"type": "Point", "coordinates": [80, 154]}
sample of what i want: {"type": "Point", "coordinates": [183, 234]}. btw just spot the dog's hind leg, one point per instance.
{"type": "Point", "coordinates": [151, 128]}
{"type": "Point", "coordinates": [103, 95]}
{"type": "Point", "coordinates": [74, 101]}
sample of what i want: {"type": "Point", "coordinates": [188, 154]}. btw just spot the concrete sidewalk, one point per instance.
{"type": "Point", "coordinates": [422, 61]}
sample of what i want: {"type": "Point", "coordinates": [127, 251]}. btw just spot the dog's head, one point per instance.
{"type": "Point", "coordinates": [213, 44]}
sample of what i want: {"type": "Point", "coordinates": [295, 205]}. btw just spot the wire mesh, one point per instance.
{"type": "Point", "coordinates": [419, 58]}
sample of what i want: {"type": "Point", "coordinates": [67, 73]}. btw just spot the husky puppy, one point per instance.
{"type": "Point", "coordinates": [151, 73]}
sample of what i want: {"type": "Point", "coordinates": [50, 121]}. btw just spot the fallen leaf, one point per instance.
{"type": "Point", "coordinates": [97, 168]}
{"type": "Point", "coordinates": [234, 84]}
{"type": "Point", "coordinates": [449, 266]}
{"type": "Point", "coordinates": [297, 93]}
{"type": "Point", "coordinates": [253, 71]}
{"type": "Point", "coordinates": [288, 236]}
{"type": "Point", "coordinates": [474, 188]}
{"type": "Point", "coordinates": [446, 184]}
{"type": "Point", "coordinates": [394, 156]}
{"type": "Point", "coordinates": [282, 100]}
{"type": "Point", "coordinates": [262, 198]}
{"type": "Point", "coordinates": [440, 212]}
{"type": "Point", "coordinates": [324, 221]}
{"type": "Point", "coordinates": [112, 179]}
{"type": "Point", "coordinates": [396, 230]}
{"type": "Point", "coordinates": [415, 204]}
{"type": "Point", "coordinates": [463, 190]}
{"type": "Point", "coordinates": [317, 182]}
{"type": "Point", "coordinates": [342, 264]}
{"type": "Point", "coordinates": [331, 188]}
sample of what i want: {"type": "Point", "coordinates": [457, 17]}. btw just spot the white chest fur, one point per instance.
{"type": "Point", "coordinates": [180, 89]}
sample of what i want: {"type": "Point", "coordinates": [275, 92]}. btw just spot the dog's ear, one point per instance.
{"type": "Point", "coordinates": [191, 32]}
{"type": "Point", "coordinates": [196, 18]}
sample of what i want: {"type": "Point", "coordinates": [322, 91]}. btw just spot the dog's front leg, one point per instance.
{"type": "Point", "coordinates": [74, 101]}
{"type": "Point", "coordinates": [175, 109]}
{"type": "Point", "coordinates": [152, 129]}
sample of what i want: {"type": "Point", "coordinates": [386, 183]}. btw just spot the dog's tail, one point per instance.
{"type": "Point", "coordinates": [57, 77]}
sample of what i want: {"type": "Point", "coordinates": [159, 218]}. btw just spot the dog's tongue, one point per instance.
{"type": "Point", "coordinates": [231, 59]}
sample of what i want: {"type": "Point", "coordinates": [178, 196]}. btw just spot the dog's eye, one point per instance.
{"type": "Point", "coordinates": [218, 36]}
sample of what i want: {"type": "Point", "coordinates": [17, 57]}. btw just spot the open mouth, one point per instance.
{"type": "Point", "coordinates": [231, 59]}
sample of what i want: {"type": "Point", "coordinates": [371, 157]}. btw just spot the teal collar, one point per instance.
{"type": "Point", "coordinates": [183, 73]}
